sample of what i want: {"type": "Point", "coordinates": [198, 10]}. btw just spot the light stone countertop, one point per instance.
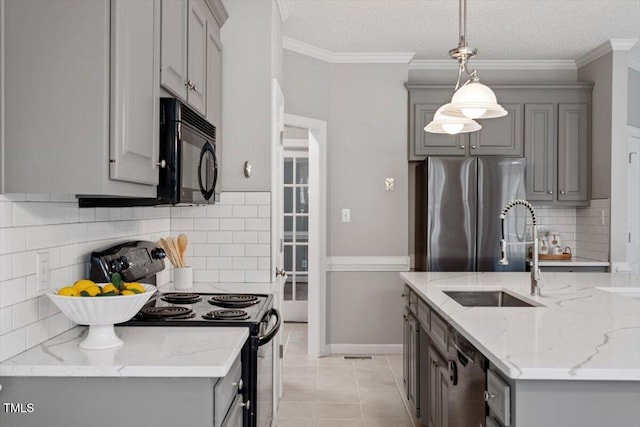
{"type": "Point", "coordinates": [581, 333]}
{"type": "Point", "coordinates": [147, 352]}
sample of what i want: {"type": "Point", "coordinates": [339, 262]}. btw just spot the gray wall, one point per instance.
{"type": "Point", "coordinates": [600, 72]}
{"type": "Point", "coordinates": [633, 117]}
{"type": "Point", "coordinates": [251, 55]}
{"type": "Point", "coordinates": [365, 106]}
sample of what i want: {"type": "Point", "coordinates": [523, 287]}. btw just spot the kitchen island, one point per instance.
{"type": "Point", "coordinates": [160, 376]}
{"type": "Point", "coordinates": [571, 359]}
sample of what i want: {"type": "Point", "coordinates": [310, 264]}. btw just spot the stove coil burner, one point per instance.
{"type": "Point", "coordinates": [168, 312]}
{"type": "Point", "coordinates": [181, 298]}
{"type": "Point", "coordinates": [226, 315]}
{"type": "Point", "coordinates": [233, 300]}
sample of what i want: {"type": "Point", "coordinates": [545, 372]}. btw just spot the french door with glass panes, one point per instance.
{"type": "Point", "coordinates": [296, 235]}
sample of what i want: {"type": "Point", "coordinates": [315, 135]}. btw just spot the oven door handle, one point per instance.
{"type": "Point", "coordinates": [269, 335]}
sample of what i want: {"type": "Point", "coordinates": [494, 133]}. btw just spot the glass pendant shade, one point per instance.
{"type": "Point", "coordinates": [474, 101]}
{"type": "Point", "coordinates": [451, 125]}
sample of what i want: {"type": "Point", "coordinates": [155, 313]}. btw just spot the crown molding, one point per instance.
{"type": "Point", "coordinates": [486, 64]}
{"type": "Point", "coordinates": [634, 63]}
{"type": "Point", "coordinates": [604, 48]}
{"type": "Point", "coordinates": [284, 9]}
{"type": "Point", "coordinates": [346, 57]}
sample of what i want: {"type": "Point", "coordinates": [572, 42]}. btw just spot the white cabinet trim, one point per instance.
{"type": "Point", "coordinates": [368, 263]}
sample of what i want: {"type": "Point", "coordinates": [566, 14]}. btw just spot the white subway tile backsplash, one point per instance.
{"type": "Point", "coordinates": [220, 237]}
{"type": "Point", "coordinates": [220, 263]}
{"type": "Point", "coordinates": [13, 343]}
{"type": "Point", "coordinates": [232, 250]}
{"type": "Point", "coordinates": [231, 224]}
{"type": "Point", "coordinates": [6, 320]}
{"type": "Point", "coordinates": [258, 198]}
{"type": "Point", "coordinates": [258, 250]}
{"type": "Point", "coordinates": [258, 224]}
{"type": "Point", "coordinates": [245, 211]}
{"type": "Point", "coordinates": [264, 211]}
{"type": "Point", "coordinates": [6, 214]}
{"type": "Point", "coordinates": [232, 276]}
{"type": "Point", "coordinates": [245, 263]}
{"type": "Point", "coordinates": [257, 276]}
{"type": "Point", "coordinates": [37, 332]}
{"type": "Point", "coordinates": [245, 237]}
{"type": "Point", "coordinates": [206, 250]}
{"type": "Point", "coordinates": [219, 211]}
{"type": "Point", "coordinates": [6, 267]}
{"type": "Point", "coordinates": [12, 240]}
{"type": "Point", "coordinates": [232, 198]}
{"type": "Point", "coordinates": [24, 263]}
{"type": "Point", "coordinates": [12, 291]}
{"type": "Point", "coordinates": [25, 313]}
{"type": "Point", "coordinates": [228, 242]}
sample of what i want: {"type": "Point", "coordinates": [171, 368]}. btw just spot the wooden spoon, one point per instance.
{"type": "Point", "coordinates": [183, 241]}
{"type": "Point", "coordinates": [169, 251]}
{"type": "Point", "coordinates": [176, 252]}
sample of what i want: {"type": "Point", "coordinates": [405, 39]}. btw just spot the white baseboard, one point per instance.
{"type": "Point", "coordinates": [365, 349]}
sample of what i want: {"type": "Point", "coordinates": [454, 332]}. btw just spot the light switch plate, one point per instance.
{"type": "Point", "coordinates": [346, 215]}
{"type": "Point", "coordinates": [389, 184]}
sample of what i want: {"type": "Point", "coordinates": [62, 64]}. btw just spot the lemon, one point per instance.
{"type": "Point", "coordinates": [83, 284]}
{"type": "Point", "coordinates": [91, 291]}
{"type": "Point", "coordinates": [135, 286]}
{"type": "Point", "coordinates": [109, 288]}
{"type": "Point", "coordinates": [127, 292]}
{"type": "Point", "coordinates": [68, 291]}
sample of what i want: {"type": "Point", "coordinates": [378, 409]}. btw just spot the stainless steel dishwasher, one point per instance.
{"type": "Point", "coordinates": [467, 382]}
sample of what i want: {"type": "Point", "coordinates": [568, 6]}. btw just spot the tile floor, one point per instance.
{"type": "Point", "coordinates": [334, 392]}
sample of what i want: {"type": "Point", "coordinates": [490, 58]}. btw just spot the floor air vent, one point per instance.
{"type": "Point", "coordinates": [358, 357]}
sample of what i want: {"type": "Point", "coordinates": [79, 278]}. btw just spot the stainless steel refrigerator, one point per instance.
{"type": "Point", "coordinates": [458, 203]}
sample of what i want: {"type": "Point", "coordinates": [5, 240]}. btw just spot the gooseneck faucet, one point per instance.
{"type": "Point", "coordinates": [535, 270]}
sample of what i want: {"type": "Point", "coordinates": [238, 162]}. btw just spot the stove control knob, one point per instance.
{"type": "Point", "coordinates": [158, 253]}
{"type": "Point", "coordinates": [125, 262]}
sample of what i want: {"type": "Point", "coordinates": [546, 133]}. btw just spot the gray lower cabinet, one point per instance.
{"type": "Point", "coordinates": [82, 96]}
{"type": "Point", "coordinates": [124, 401]}
{"type": "Point", "coordinates": [410, 363]}
{"type": "Point", "coordinates": [438, 389]}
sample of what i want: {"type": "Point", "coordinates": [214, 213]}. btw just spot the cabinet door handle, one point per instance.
{"type": "Point", "coordinates": [462, 147]}
{"type": "Point", "coordinates": [549, 192]}
{"type": "Point", "coordinates": [162, 163]}
{"type": "Point", "coordinates": [488, 396]}
{"type": "Point", "coordinates": [561, 191]}
{"type": "Point", "coordinates": [473, 147]}
{"type": "Point", "coordinates": [239, 384]}
{"type": "Point", "coordinates": [247, 405]}
{"type": "Point", "coordinates": [188, 83]}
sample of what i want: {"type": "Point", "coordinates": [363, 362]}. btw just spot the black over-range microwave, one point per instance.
{"type": "Point", "coordinates": [188, 170]}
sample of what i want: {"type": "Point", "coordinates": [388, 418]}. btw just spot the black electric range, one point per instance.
{"type": "Point", "coordinates": [141, 260]}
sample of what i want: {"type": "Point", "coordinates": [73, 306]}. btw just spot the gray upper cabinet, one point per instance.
{"type": "Point", "coordinates": [82, 114]}
{"type": "Point", "coordinates": [135, 99]}
{"type": "Point", "coordinates": [501, 136]}
{"type": "Point", "coordinates": [433, 144]}
{"type": "Point", "coordinates": [573, 152]}
{"type": "Point", "coordinates": [548, 123]}
{"type": "Point", "coordinates": [173, 69]}
{"type": "Point", "coordinates": [214, 76]}
{"type": "Point", "coordinates": [189, 69]}
{"type": "Point", "coordinates": [540, 143]}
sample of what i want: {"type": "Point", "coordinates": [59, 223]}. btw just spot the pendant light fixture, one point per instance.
{"type": "Point", "coordinates": [451, 125]}
{"type": "Point", "coordinates": [472, 100]}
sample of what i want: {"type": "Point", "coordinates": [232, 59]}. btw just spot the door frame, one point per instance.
{"type": "Point", "coordinates": [317, 303]}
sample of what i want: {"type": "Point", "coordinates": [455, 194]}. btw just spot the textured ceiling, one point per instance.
{"type": "Point", "coordinates": [499, 29]}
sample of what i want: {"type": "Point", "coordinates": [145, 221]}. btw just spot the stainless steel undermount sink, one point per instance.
{"type": "Point", "coordinates": [487, 299]}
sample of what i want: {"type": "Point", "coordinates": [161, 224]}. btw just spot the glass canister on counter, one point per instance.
{"type": "Point", "coordinates": [543, 245]}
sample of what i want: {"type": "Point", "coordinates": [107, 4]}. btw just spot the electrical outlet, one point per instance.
{"type": "Point", "coordinates": [43, 274]}
{"type": "Point", "coordinates": [346, 215]}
